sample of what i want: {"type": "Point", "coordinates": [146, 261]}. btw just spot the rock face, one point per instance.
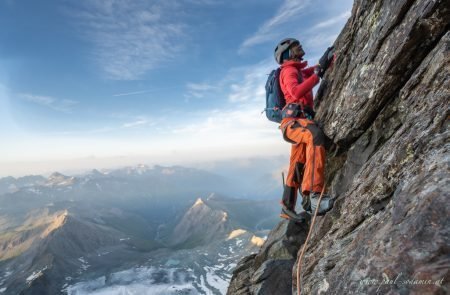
{"type": "Point", "coordinates": [269, 271]}
{"type": "Point", "coordinates": [385, 106]}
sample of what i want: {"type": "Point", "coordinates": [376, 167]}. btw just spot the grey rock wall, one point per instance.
{"type": "Point", "coordinates": [385, 105]}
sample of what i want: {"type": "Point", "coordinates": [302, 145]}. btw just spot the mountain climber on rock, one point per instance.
{"type": "Point", "coordinates": [307, 160]}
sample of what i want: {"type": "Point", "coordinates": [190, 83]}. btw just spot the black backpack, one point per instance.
{"type": "Point", "coordinates": [275, 101]}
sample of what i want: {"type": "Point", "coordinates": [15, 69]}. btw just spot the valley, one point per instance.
{"type": "Point", "coordinates": [160, 230]}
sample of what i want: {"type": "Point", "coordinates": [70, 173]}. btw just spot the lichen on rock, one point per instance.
{"type": "Point", "coordinates": [384, 105]}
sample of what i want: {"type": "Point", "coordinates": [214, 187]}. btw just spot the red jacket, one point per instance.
{"type": "Point", "coordinates": [295, 91]}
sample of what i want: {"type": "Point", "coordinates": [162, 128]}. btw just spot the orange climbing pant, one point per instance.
{"type": "Point", "coordinates": [307, 162]}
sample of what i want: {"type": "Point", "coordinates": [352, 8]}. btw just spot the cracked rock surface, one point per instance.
{"type": "Point", "coordinates": [385, 105]}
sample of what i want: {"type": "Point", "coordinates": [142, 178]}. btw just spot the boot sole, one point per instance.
{"type": "Point", "coordinates": [284, 216]}
{"type": "Point", "coordinates": [292, 218]}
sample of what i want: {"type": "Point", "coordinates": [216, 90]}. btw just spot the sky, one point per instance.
{"type": "Point", "coordinates": [101, 83]}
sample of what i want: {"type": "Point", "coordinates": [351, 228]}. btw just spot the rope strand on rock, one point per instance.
{"type": "Point", "coordinates": [299, 264]}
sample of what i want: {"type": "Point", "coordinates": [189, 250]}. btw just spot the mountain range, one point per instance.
{"type": "Point", "coordinates": [84, 234]}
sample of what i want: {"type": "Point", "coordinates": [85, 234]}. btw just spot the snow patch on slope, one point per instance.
{"type": "Point", "coordinates": [35, 275]}
{"type": "Point", "coordinates": [235, 233]}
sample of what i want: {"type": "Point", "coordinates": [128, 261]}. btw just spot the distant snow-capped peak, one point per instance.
{"type": "Point", "coordinates": [58, 179]}
{"type": "Point", "coordinates": [199, 202]}
{"type": "Point", "coordinates": [138, 169]}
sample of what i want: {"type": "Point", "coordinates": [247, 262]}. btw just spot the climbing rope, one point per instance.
{"type": "Point", "coordinates": [299, 264]}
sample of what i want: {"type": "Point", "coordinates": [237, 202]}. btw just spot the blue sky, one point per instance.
{"type": "Point", "coordinates": [101, 83]}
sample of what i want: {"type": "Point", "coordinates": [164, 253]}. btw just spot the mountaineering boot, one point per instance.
{"type": "Point", "coordinates": [288, 205]}
{"type": "Point", "coordinates": [306, 203]}
{"type": "Point", "coordinates": [292, 215]}
{"type": "Point", "coordinates": [326, 203]}
{"type": "Point", "coordinates": [289, 197]}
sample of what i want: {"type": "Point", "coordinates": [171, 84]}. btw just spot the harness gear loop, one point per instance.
{"type": "Point", "coordinates": [297, 111]}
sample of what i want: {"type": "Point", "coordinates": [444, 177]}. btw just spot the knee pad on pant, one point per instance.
{"type": "Point", "coordinates": [317, 133]}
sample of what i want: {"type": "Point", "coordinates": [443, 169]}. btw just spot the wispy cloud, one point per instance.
{"type": "Point", "coordinates": [130, 37]}
{"type": "Point", "coordinates": [290, 10]}
{"type": "Point", "coordinates": [244, 89]}
{"type": "Point", "coordinates": [135, 120]}
{"type": "Point", "coordinates": [199, 90]}
{"type": "Point", "coordinates": [232, 124]}
{"type": "Point", "coordinates": [130, 93]}
{"type": "Point", "coordinates": [61, 105]}
{"type": "Point", "coordinates": [332, 21]}
{"type": "Point", "coordinates": [251, 84]}
{"type": "Point", "coordinates": [147, 91]}
{"type": "Point", "coordinates": [284, 24]}
{"type": "Point", "coordinates": [240, 84]}
{"type": "Point", "coordinates": [135, 123]}
{"type": "Point", "coordinates": [204, 2]}
{"type": "Point", "coordinates": [199, 87]}
{"type": "Point", "coordinates": [323, 34]}
{"type": "Point", "coordinates": [95, 131]}
{"type": "Point", "coordinates": [132, 122]}
{"type": "Point", "coordinates": [320, 40]}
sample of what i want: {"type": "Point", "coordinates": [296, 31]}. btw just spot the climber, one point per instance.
{"type": "Point", "coordinates": [307, 160]}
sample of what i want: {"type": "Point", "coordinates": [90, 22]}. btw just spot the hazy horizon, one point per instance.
{"type": "Point", "coordinates": [105, 84]}
{"type": "Point", "coordinates": [86, 164]}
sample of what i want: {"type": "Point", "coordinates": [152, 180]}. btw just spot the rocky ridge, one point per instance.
{"type": "Point", "coordinates": [201, 224]}
{"type": "Point", "coordinates": [384, 105]}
